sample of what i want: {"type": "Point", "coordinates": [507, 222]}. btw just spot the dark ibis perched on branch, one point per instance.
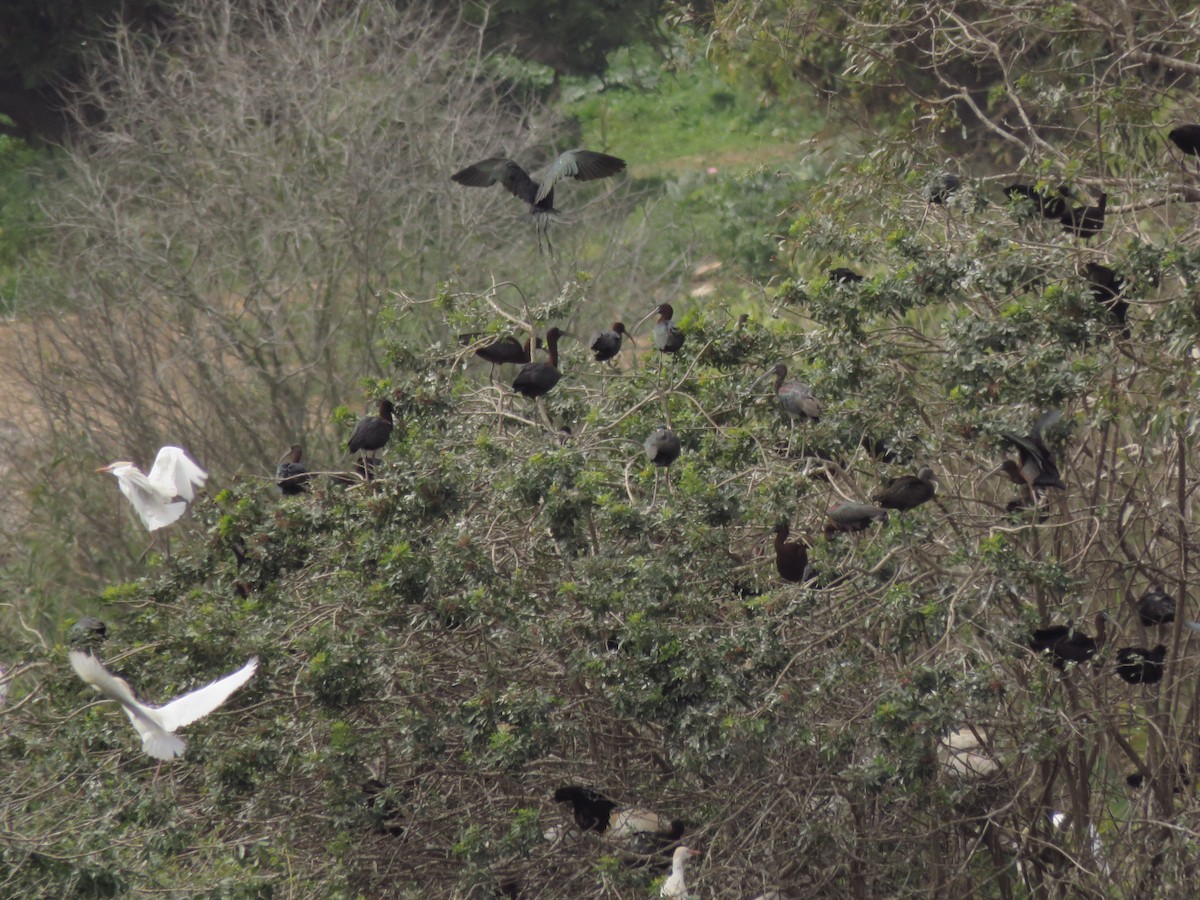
{"type": "Point", "coordinates": [1137, 665]}
{"type": "Point", "coordinates": [371, 433]}
{"type": "Point", "coordinates": [1036, 467]}
{"type": "Point", "coordinates": [290, 475]}
{"type": "Point", "coordinates": [853, 517]}
{"type": "Point", "coordinates": [1157, 607]}
{"type": "Point", "coordinates": [1085, 221]}
{"type": "Point", "coordinates": [499, 350]}
{"type": "Point", "coordinates": [1049, 206]}
{"type": "Point", "coordinates": [1186, 138]}
{"type": "Point", "coordinates": [638, 828]}
{"type": "Point", "coordinates": [908, 491]}
{"type": "Point", "coordinates": [668, 337]}
{"type": "Point", "coordinates": [842, 275]}
{"type": "Point", "coordinates": [607, 344]}
{"type": "Point", "coordinates": [536, 379]}
{"type": "Point", "coordinates": [582, 165]}
{"type": "Point", "coordinates": [662, 446]}
{"type": "Point", "coordinates": [791, 557]}
{"type": "Point", "coordinates": [795, 397]}
{"type": "Point", "coordinates": [1066, 644]}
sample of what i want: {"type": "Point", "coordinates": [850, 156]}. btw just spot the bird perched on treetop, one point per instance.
{"type": "Point", "coordinates": [582, 165]}
{"type": "Point", "coordinates": [607, 344]}
{"type": "Point", "coordinates": [156, 724]}
{"type": "Point", "coordinates": [908, 491]}
{"type": "Point", "coordinates": [290, 475]}
{"type": "Point", "coordinates": [1036, 467]}
{"type": "Point", "coordinates": [536, 379]}
{"type": "Point", "coordinates": [1186, 138]}
{"type": "Point", "coordinates": [161, 497]}
{"type": "Point", "coordinates": [1137, 665]}
{"type": "Point", "coordinates": [372, 432]}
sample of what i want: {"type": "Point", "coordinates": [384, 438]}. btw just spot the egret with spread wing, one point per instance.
{"type": "Point", "coordinates": [161, 497]}
{"type": "Point", "coordinates": [157, 724]}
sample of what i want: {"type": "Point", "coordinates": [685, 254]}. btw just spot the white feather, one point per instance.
{"type": "Point", "coordinates": [155, 497]}
{"type": "Point", "coordinates": [155, 724]}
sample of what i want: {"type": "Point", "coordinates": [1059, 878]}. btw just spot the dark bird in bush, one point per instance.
{"type": "Point", "coordinates": [1066, 644]}
{"type": "Point", "coordinates": [795, 397]}
{"type": "Point", "coordinates": [638, 829]}
{"type": "Point", "coordinates": [1186, 138]}
{"type": "Point", "coordinates": [791, 557]}
{"type": "Point", "coordinates": [499, 350]}
{"type": "Point", "coordinates": [607, 344]}
{"type": "Point", "coordinates": [1085, 221]}
{"type": "Point", "coordinates": [668, 337]}
{"type": "Point", "coordinates": [1137, 665]}
{"type": "Point", "coordinates": [1106, 286]}
{"type": "Point", "coordinates": [582, 165]}
{"type": "Point", "coordinates": [842, 275]}
{"type": "Point", "coordinates": [908, 491]}
{"type": "Point", "coordinates": [939, 187]}
{"type": "Point", "coordinates": [662, 446]}
{"type": "Point", "coordinates": [536, 379]}
{"type": "Point", "coordinates": [1017, 508]}
{"type": "Point", "coordinates": [1157, 607]}
{"type": "Point", "coordinates": [1049, 206]}
{"type": "Point", "coordinates": [1036, 467]}
{"type": "Point", "coordinates": [372, 432]}
{"type": "Point", "coordinates": [290, 475]}
{"type": "Point", "coordinates": [853, 517]}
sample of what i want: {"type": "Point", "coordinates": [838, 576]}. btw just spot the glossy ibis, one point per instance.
{"type": "Point", "coordinates": [1066, 644]}
{"type": "Point", "coordinates": [499, 350]}
{"type": "Point", "coordinates": [596, 813]}
{"type": "Point", "coordinates": [1085, 221]}
{"type": "Point", "coordinates": [842, 275]}
{"type": "Point", "coordinates": [1186, 138]}
{"type": "Point", "coordinates": [1049, 206]}
{"type": "Point", "coordinates": [156, 724]}
{"type": "Point", "coordinates": [668, 337]}
{"type": "Point", "coordinates": [850, 516]}
{"type": "Point", "coordinates": [662, 446]}
{"type": "Point", "coordinates": [675, 887]}
{"type": "Point", "coordinates": [1019, 507]}
{"type": "Point", "coordinates": [908, 491]}
{"type": "Point", "coordinates": [1156, 607]}
{"type": "Point", "coordinates": [791, 557]}
{"type": "Point", "coordinates": [290, 475]}
{"type": "Point", "coordinates": [607, 344]}
{"type": "Point", "coordinates": [582, 165]}
{"type": "Point", "coordinates": [939, 187]}
{"type": "Point", "coordinates": [1036, 467]}
{"type": "Point", "coordinates": [372, 432]}
{"type": "Point", "coordinates": [795, 397]}
{"type": "Point", "coordinates": [161, 497]}
{"type": "Point", "coordinates": [536, 379]}
{"type": "Point", "coordinates": [1106, 287]}
{"type": "Point", "coordinates": [1137, 665]}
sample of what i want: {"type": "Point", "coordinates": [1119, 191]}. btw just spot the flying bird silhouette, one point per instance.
{"type": "Point", "coordinates": [157, 724]}
{"type": "Point", "coordinates": [582, 165]}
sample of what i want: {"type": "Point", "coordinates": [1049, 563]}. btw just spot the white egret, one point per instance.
{"type": "Point", "coordinates": [172, 476]}
{"type": "Point", "coordinates": [156, 724]}
{"type": "Point", "coordinates": [674, 888]}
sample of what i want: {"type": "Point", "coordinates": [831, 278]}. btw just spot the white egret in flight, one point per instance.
{"type": "Point", "coordinates": [156, 724]}
{"type": "Point", "coordinates": [154, 496]}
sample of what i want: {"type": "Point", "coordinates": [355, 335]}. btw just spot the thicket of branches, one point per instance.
{"type": "Point", "coordinates": [509, 609]}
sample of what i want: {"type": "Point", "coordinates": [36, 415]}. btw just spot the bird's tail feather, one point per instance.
{"type": "Point", "coordinates": [163, 745]}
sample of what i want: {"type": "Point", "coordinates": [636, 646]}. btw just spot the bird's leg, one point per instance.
{"type": "Point", "coordinates": [541, 405]}
{"type": "Point", "coordinates": [654, 494]}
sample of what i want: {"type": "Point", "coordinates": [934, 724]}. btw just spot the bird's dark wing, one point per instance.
{"type": "Point", "coordinates": [498, 169]}
{"type": "Point", "coordinates": [582, 165]}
